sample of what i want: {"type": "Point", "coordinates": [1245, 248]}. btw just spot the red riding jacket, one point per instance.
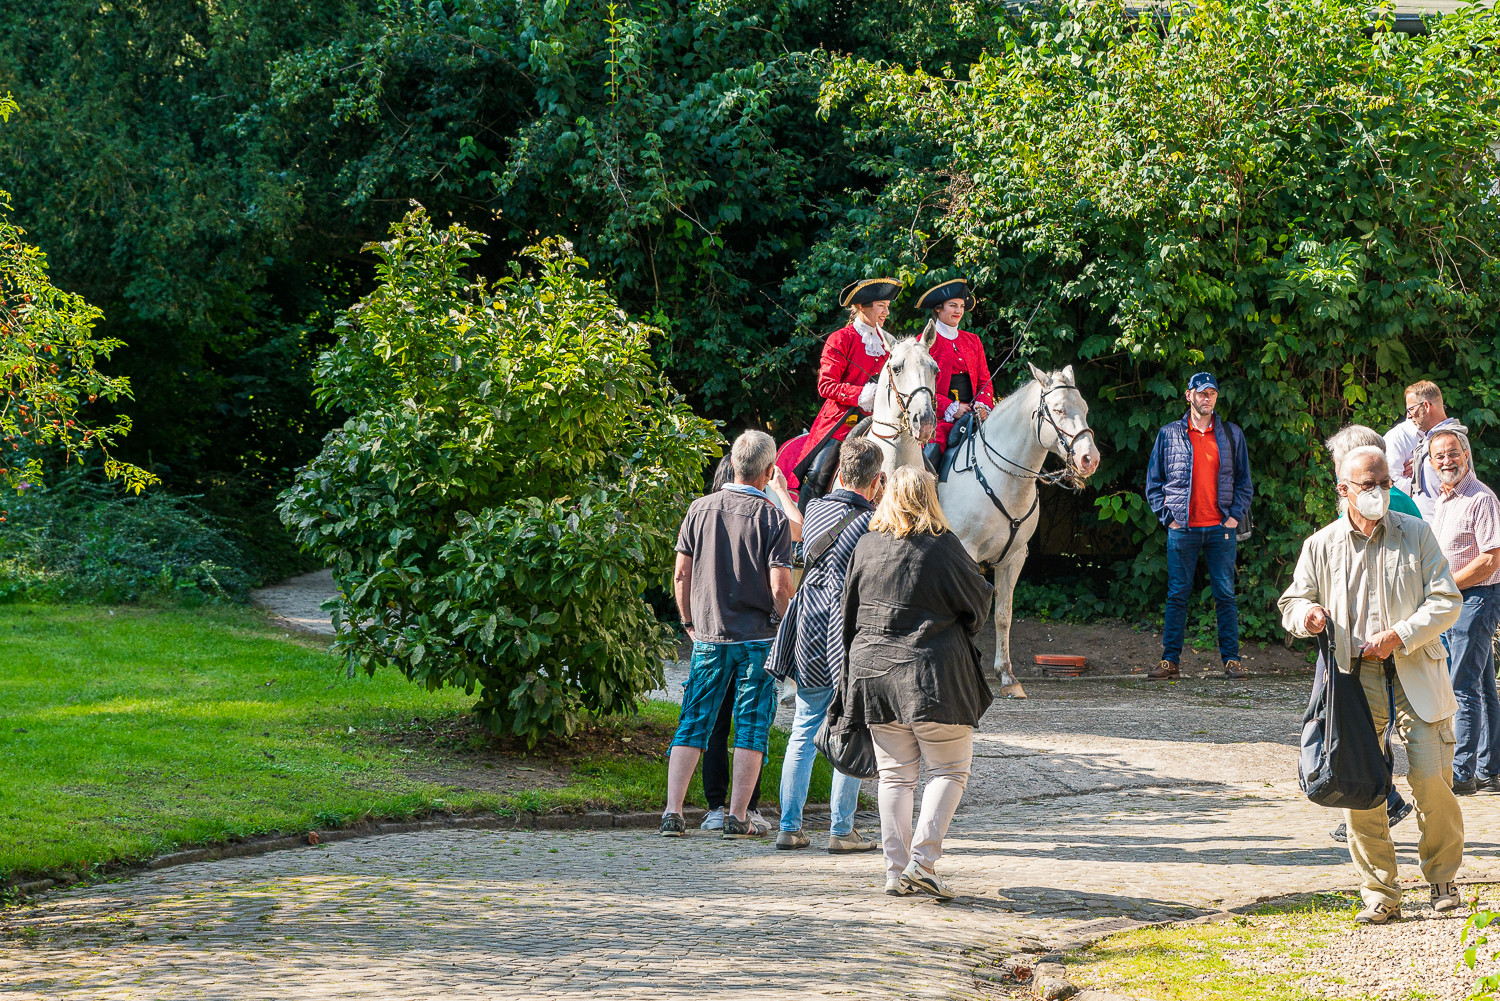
{"type": "Point", "coordinates": [962, 354]}
{"type": "Point", "coordinates": [842, 374]}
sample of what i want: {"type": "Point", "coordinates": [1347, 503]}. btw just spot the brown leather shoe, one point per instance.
{"type": "Point", "coordinates": [1232, 669]}
{"type": "Point", "coordinates": [1164, 669]}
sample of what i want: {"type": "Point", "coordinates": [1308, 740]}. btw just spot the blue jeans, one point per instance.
{"type": "Point", "coordinates": [1218, 547]}
{"type": "Point", "coordinates": [1471, 665]}
{"type": "Point", "coordinates": [797, 766]}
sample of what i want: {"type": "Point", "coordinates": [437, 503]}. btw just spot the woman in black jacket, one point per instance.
{"type": "Point", "coordinates": [913, 602]}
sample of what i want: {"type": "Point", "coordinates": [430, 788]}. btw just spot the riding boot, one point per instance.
{"type": "Point", "coordinates": [930, 454]}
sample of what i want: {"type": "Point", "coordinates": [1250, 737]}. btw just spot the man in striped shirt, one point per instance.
{"type": "Point", "coordinates": [1466, 519]}
{"type": "Point", "coordinates": [840, 518]}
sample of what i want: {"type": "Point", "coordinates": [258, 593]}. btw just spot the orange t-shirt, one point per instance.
{"type": "Point", "coordinates": [1203, 502]}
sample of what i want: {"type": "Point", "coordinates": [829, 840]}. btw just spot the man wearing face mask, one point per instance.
{"type": "Point", "coordinates": [1466, 519]}
{"type": "Point", "coordinates": [1380, 582]}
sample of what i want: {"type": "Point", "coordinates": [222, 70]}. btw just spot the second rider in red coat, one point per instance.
{"type": "Point", "coordinates": [963, 382]}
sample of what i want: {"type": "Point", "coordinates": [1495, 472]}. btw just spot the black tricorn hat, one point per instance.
{"type": "Point", "coordinates": [868, 291]}
{"type": "Point", "coordinates": [958, 288]}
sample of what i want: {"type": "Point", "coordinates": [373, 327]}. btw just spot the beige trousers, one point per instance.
{"type": "Point", "coordinates": [947, 748]}
{"type": "Point", "coordinates": [1440, 848]}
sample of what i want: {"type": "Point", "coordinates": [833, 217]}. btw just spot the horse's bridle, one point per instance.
{"type": "Point", "coordinates": [1070, 477]}
{"type": "Point", "coordinates": [903, 420]}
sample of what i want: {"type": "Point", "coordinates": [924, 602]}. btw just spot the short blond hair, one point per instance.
{"type": "Point", "coordinates": [910, 505]}
{"type": "Point", "coordinates": [1426, 391]}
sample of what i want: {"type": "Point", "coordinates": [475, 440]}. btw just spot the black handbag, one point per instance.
{"type": "Point", "coordinates": [1344, 762]}
{"type": "Point", "coordinates": [845, 742]}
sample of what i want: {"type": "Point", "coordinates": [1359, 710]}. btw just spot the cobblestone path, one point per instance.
{"type": "Point", "coordinates": [1092, 805]}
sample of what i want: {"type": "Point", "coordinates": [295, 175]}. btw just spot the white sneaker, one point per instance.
{"type": "Point", "coordinates": [929, 883]}
{"type": "Point", "coordinates": [895, 886]}
{"type": "Point", "coordinates": [759, 824]}
{"type": "Point", "coordinates": [713, 820]}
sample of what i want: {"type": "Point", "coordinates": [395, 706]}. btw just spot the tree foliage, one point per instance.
{"type": "Point", "coordinates": [1285, 192]}
{"type": "Point", "coordinates": [509, 484]}
{"type": "Point", "coordinates": [48, 352]}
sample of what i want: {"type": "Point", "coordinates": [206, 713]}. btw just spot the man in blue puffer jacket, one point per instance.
{"type": "Point", "coordinates": [1198, 483]}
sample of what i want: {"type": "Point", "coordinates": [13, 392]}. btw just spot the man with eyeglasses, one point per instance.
{"type": "Point", "coordinates": [1406, 445]}
{"type": "Point", "coordinates": [1466, 519]}
{"type": "Point", "coordinates": [1379, 582]}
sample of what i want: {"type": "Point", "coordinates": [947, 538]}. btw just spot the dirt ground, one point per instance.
{"type": "Point", "coordinates": [1114, 647]}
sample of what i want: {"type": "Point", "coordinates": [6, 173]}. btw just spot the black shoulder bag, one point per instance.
{"type": "Point", "coordinates": [1344, 763]}
{"type": "Point", "coordinates": [780, 659]}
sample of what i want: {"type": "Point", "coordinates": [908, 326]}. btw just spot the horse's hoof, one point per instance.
{"type": "Point", "coordinates": [1013, 691]}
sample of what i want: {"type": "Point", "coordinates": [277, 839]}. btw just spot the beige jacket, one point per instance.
{"type": "Point", "coordinates": [1421, 601]}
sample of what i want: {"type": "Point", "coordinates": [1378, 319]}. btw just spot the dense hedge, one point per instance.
{"type": "Point", "coordinates": [1284, 193]}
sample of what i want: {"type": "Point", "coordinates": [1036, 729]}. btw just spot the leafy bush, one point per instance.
{"type": "Point", "coordinates": [82, 541]}
{"type": "Point", "coordinates": [509, 484]}
{"type": "Point", "coordinates": [47, 374]}
{"type": "Point", "coordinates": [1285, 192]}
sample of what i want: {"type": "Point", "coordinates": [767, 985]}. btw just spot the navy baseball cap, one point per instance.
{"type": "Point", "coordinates": [1202, 380]}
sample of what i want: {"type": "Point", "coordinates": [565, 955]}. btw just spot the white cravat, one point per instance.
{"type": "Point", "coordinates": [874, 346]}
{"type": "Point", "coordinates": [949, 332]}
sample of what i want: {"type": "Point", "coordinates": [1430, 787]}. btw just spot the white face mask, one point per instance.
{"type": "Point", "coordinates": [1373, 502]}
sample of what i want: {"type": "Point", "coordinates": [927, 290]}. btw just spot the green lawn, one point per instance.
{"type": "Point", "coordinates": [127, 733]}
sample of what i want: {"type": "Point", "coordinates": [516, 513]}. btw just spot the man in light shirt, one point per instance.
{"type": "Point", "coordinates": [1466, 518]}
{"type": "Point", "coordinates": [1406, 444]}
{"type": "Point", "coordinates": [1379, 581]}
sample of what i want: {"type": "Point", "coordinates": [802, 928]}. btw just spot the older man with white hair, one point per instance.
{"type": "Point", "coordinates": [1466, 518]}
{"type": "Point", "coordinates": [1380, 582]}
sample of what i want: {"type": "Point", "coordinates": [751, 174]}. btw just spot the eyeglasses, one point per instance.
{"type": "Point", "coordinates": [1411, 411]}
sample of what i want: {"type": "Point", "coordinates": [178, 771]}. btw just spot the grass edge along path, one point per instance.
{"type": "Point", "coordinates": [1300, 948]}
{"type": "Point", "coordinates": [130, 733]}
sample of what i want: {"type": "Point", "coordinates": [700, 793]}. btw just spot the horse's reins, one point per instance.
{"type": "Point", "coordinates": [1069, 476]}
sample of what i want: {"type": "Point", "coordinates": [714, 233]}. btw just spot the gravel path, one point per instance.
{"type": "Point", "coordinates": [1093, 805]}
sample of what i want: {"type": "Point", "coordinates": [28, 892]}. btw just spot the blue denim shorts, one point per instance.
{"type": "Point", "coordinates": [715, 669]}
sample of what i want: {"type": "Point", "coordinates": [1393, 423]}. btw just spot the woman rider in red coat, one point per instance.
{"type": "Point", "coordinates": [963, 382]}
{"type": "Point", "coordinates": [852, 359]}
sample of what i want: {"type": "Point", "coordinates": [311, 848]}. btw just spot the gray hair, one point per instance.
{"type": "Point", "coordinates": [1361, 452]}
{"type": "Point", "coordinates": [1350, 437]}
{"type": "Point", "coordinates": [1456, 435]}
{"type": "Point", "coordinates": [753, 455]}
{"type": "Point", "coordinates": [860, 460]}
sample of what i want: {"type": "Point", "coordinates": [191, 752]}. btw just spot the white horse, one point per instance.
{"type": "Point", "coordinates": [905, 414]}
{"type": "Point", "coordinates": [990, 496]}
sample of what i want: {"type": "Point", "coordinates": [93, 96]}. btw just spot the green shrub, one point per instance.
{"type": "Point", "coordinates": [509, 485]}
{"type": "Point", "coordinates": [83, 541]}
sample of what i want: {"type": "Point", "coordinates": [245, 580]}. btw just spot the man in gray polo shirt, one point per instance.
{"type": "Point", "coordinates": [1466, 519]}
{"type": "Point", "coordinates": [733, 582]}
